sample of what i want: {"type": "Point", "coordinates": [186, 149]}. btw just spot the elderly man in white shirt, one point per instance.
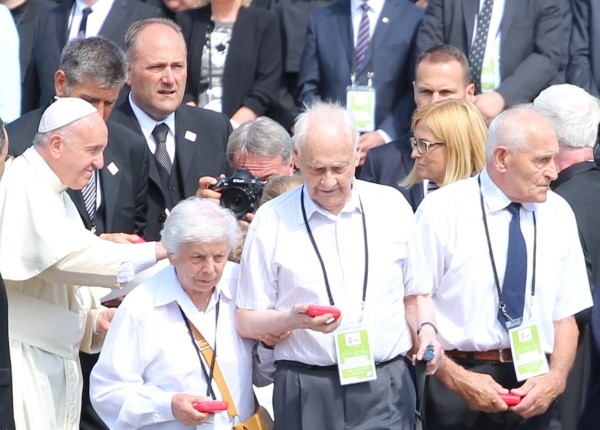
{"type": "Point", "coordinates": [343, 242]}
{"type": "Point", "coordinates": [467, 232]}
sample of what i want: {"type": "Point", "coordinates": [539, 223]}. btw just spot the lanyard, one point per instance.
{"type": "Point", "coordinates": [314, 244]}
{"type": "Point", "coordinates": [497, 282]}
{"type": "Point", "coordinates": [208, 376]}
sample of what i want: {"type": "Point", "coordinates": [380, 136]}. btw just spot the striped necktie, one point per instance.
{"type": "Point", "coordinates": [89, 198]}
{"type": "Point", "coordinates": [363, 39]}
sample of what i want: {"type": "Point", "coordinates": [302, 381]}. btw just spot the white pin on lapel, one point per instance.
{"type": "Point", "coordinates": [385, 20]}
{"type": "Point", "coordinates": [112, 168]}
{"type": "Point", "coordinates": [190, 135]}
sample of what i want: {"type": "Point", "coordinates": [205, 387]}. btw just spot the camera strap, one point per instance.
{"type": "Point", "coordinates": [314, 244]}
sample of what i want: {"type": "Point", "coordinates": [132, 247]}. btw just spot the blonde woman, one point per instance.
{"type": "Point", "coordinates": [448, 143]}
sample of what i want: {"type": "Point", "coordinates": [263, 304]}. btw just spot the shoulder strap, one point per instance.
{"type": "Point", "coordinates": [207, 353]}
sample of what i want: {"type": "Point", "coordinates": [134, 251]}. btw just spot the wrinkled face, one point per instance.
{"type": "Point", "coordinates": [327, 163]}
{"type": "Point", "coordinates": [528, 173]}
{"type": "Point", "coordinates": [435, 82]}
{"type": "Point", "coordinates": [158, 71]}
{"type": "Point", "coordinates": [103, 99]}
{"type": "Point", "coordinates": [81, 153]}
{"type": "Point", "coordinates": [263, 167]}
{"type": "Point", "coordinates": [431, 165]}
{"type": "Point", "coordinates": [200, 265]}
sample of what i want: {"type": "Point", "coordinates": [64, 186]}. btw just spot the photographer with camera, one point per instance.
{"type": "Point", "coordinates": [257, 150]}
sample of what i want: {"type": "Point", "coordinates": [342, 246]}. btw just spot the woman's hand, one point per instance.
{"type": "Point", "coordinates": [184, 412]}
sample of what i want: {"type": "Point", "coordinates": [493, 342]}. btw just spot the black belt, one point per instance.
{"type": "Point", "coordinates": [333, 367]}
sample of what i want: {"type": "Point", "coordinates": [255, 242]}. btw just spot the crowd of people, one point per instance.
{"type": "Point", "coordinates": [308, 196]}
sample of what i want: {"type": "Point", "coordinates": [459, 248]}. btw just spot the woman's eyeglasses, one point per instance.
{"type": "Point", "coordinates": [422, 146]}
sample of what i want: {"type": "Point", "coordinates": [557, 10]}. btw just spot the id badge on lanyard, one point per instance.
{"type": "Point", "coordinates": [528, 356]}
{"type": "Point", "coordinates": [360, 100]}
{"type": "Point", "coordinates": [354, 354]}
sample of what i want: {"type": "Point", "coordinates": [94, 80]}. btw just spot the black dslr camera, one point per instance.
{"type": "Point", "coordinates": [240, 193]}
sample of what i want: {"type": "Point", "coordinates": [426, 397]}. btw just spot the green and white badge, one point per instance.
{"type": "Point", "coordinates": [354, 355]}
{"type": "Point", "coordinates": [360, 100]}
{"type": "Point", "coordinates": [528, 357]}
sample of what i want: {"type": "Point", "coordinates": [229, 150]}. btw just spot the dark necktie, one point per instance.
{"type": "Point", "coordinates": [515, 277]}
{"type": "Point", "coordinates": [89, 198]}
{"type": "Point", "coordinates": [83, 25]}
{"type": "Point", "coordinates": [362, 41]}
{"type": "Point", "coordinates": [478, 48]}
{"type": "Point", "coordinates": [161, 155]}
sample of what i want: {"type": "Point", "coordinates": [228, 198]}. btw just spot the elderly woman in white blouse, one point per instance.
{"type": "Point", "coordinates": [151, 372]}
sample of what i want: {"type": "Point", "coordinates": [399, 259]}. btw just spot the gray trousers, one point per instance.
{"type": "Point", "coordinates": [312, 399]}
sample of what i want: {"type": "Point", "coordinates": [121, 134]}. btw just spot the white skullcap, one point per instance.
{"type": "Point", "coordinates": [64, 111]}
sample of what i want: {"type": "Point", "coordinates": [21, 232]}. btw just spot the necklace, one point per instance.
{"type": "Point", "coordinates": [204, 305]}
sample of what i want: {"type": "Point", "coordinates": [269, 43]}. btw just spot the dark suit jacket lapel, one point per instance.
{"type": "Point", "coordinates": [110, 186]}
{"type": "Point", "coordinates": [184, 147]}
{"type": "Point", "coordinates": [112, 22]}
{"type": "Point", "coordinates": [470, 10]}
{"type": "Point", "coordinates": [62, 23]}
{"type": "Point", "coordinates": [343, 17]}
{"type": "Point", "coordinates": [510, 7]}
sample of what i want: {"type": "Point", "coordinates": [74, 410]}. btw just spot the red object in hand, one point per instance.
{"type": "Point", "coordinates": [511, 399]}
{"type": "Point", "coordinates": [317, 310]}
{"type": "Point", "coordinates": [211, 406]}
{"type": "Point", "coordinates": [140, 239]}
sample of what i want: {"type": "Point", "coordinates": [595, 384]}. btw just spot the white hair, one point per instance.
{"type": "Point", "coordinates": [199, 220]}
{"type": "Point", "coordinates": [574, 113]}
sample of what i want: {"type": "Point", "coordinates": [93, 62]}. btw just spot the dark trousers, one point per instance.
{"type": "Point", "coordinates": [445, 410]}
{"type": "Point", "coordinates": [89, 418]}
{"type": "Point", "coordinates": [312, 398]}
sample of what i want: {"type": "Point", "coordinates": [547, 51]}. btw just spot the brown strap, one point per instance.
{"type": "Point", "coordinates": [207, 353]}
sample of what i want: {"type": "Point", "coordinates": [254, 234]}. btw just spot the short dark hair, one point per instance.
{"type": "Point", "coordinates": [98, 58]}
{"type": "Point", "coordinates": [441, 54]}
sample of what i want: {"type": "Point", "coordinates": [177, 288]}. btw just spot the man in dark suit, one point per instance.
{"type": "Point", "coordinates": [523, 47]}
{"type": "Point", "coordinates": [584, 65]}
{"type": "Point", "coordinates": [7, 421]}
{"type": "Point", "coordinates": [575, 115]}
{"type": "Point", "coordinates": [64, 22]}
{"type": "Point", "coordinates": [187, 142]}
{"type": "Point", "coordinates": [329, 60]}
{"type": "Point", "coordinates": [94, 69]}
{"type": "Point", "coordinates": [442, 72]}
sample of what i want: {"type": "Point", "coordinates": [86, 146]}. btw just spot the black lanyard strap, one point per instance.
{"type": "Point", "coordinates": [314, 244]}
{"type": "Point", "coordinates": [208, 376]}
{"type": "Point", "coordinates": [489, 242]}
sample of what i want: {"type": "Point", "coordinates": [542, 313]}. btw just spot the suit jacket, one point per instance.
{"type": "Point", "coordinates": [389, 165]}
{"type": "Point", "coordinates": [6, 401]}
{"type": "Point", "coordinates": [123, 179]}
{"type": "Point", "coordinates": [326, 63]}
{"type": "Point", "coordinates": [591, 412]}
{"type": "Point", "coordinates": [584, 65]}
{"type": "Point", "coordinates": [531, 45]}
{"type": "Point", "coordinates": [200, 150]}
{"type": "Point", "coordinates": [51, 36]}
{"type": "Point", "coordinates": [253, 64]}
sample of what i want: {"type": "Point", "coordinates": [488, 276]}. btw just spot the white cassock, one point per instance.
{"type": "Point", "coordinates": [46, 256]}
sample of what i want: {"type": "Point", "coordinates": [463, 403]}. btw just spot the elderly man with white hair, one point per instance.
{"type": "Point", "coordinates": [48, 258]}
{"type": "Point", "coordinates": [575, 115]}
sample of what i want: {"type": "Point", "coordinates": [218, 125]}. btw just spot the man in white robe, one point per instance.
{"type": "Point", "coordinates": [48, 259]}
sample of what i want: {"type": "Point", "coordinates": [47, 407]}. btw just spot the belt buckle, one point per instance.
{"type": "Point", "coordinates": [501, 356]}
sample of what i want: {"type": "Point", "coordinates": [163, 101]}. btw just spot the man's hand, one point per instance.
{"type": "Point", "coordinates": [428, 336]}
{"type": "Point", "coordinates": [104, 319]}
{"type": "Point", "coordinates": [538, 394]}
{"type": "Point", "coordinates": [272, 339]}
{"type": "Point", "coordinates": [299, 318]}
{"type": "Point", "coordinates": [120, 237]}
{"type": "Point", "coordinates": [204, 191]}
{"type": "Point", "coordinates": [490, 105]}
{"type": "Point", "coordinates": [367, 141]}
{"type": "Point", "coordinates": [184, 412]}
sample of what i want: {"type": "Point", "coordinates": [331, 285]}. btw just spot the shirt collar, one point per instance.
{"type": "Point", "coordinates": [374, 5]}
{"type": "Point", "coordinates": [353, 204]}
{"type": "Point", "coordinates": [147, 124]}
{"type": "Point", "coordinates": [101, 7]}
{"type": "Point", "coordinates": [493, 197]}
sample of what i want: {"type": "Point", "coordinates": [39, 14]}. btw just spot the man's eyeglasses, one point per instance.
{"type": "Point", "coordinates": [422, 146]}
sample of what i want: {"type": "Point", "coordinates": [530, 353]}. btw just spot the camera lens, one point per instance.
{"type": "Point", "coordinates": [238, 201]}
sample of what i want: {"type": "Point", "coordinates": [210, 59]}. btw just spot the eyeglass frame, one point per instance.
{"type": "Point", "coordinates": [414, 143]}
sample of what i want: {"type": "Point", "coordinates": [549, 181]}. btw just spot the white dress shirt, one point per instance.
{"type": "Point", "coordinates": [280, 268]}
{"type": "Point", "coordinates": [95, 20]}
{"type": "Point", "coordinates": [452, 233]}
{"type": "Point", "coordinates": [147, 125]}
{"type": "Point", "coordinates": [148, 355]}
